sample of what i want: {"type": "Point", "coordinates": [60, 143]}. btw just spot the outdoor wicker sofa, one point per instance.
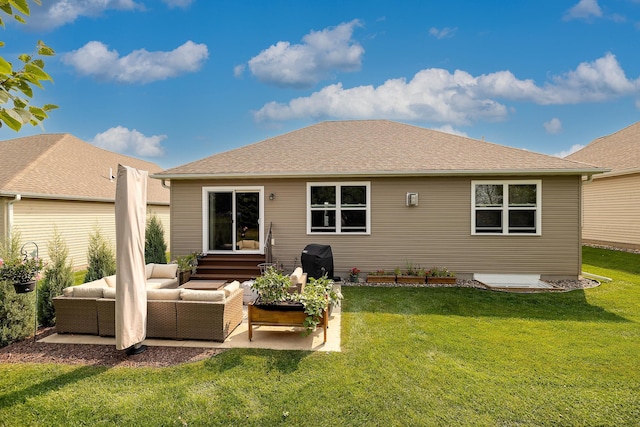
{"type": "Point", "coordinates": [171, 313]}
{"type": "Point", "coordinates": [170, 316]}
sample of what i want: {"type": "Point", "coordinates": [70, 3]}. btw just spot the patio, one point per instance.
{"type": "Point", "coordinates": [264, 337]}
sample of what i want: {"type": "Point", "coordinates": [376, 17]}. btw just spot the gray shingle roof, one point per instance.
{"type": "Point", "coordinates": [372, 147]}
{"type": "Point", "coordinates": [63, 166]}
{"type": "Point", "coordinates": [619, 151]}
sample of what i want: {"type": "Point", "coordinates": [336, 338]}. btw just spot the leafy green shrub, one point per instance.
{"type": "Point", "coordinates": [102, 261]}
{"type": "Point", "coordinates": [57, 276]}
{"type": "Point", "coordinates": [16, 310]}
{"type": "Point", "coordinates": [16, 314]}
{"type": "Point", "coordinates": [155, 248]}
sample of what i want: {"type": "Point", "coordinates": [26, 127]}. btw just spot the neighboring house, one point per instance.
{"type": "Point", "coordinates": [611, 202]}
{"type": "Point", "coordinates": [58, 180]}
{"type": "Point", "coordinates": [383, 194]}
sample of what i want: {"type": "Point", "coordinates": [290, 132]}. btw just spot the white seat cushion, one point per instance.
{"type": "Point", "coordinates": [195, 295]}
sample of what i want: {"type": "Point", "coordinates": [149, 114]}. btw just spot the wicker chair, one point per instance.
{"type": "Point", "coordinates": [201, 320]}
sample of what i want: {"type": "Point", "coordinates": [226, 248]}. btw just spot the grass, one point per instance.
{"type": "Point", "coordinates": [410, 357]}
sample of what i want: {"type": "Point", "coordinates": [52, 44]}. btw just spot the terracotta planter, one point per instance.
{"type": "Point", "coordinates": [441, 280]}
{"type": "Point", "coordinates": [381, 279]}
{"type": "Point", "coordinates": [23, 288]}
{"type": "Point", "coordinates": [410, 279]}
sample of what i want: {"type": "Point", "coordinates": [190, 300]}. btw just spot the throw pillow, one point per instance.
{"type": "Point", "coordinates": [164, 271]}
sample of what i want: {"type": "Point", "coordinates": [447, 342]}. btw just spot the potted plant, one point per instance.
{"type": "Point", "coordinates": [272, 287]}
{"type": "Point", "coordinates": [186, 266]}
{"type": "Point", "coordinates": [441, 275]}
{"type": "Point", "coordinates": [22, 273]}
{"type": "Point", "coordinates": [354, 275]}
{"type": "Point", "coordinates": [276, 305]}
{"type": "Point", "coordinates": [381, 276]}
{"type": "Point", "coordinates": [411, 274]}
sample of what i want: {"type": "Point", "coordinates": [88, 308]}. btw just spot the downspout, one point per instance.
{"type": "Point", "coordinates": [164, 184]}
{"type": "Point", "coordinates": [9, 222]}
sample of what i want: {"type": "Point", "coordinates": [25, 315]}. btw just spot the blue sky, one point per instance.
{"type": "Point", "coordinates": [174, 81]}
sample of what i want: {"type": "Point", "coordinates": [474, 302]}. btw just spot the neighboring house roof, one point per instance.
{"type": "Point", "coordinates": [619, 151]}
{"type": "Point", "coordinates": [61, 166]}
{"type": "Point", "coordinates": [373, 148]}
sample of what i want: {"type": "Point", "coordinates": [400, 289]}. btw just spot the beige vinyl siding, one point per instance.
{"type": "Point", "coordinates": [36, 219]}
{"type": "Point", "coordinates": [435, 233]}
{"type": "Point", "coordinates": [611, 211]}
{"type": "Point", "coordinates": [3, 218]}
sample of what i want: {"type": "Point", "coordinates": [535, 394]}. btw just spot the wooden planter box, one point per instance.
{"type": "Point", "coordinates": [183, 277]}
{"type": "Point", "coordinates": [410, 279]}
{"type": "Point", "coordinates": [441, 280]}
{"type": "Point", "coordinates": [282, 314]}
{"type": "Point", "coordinates": [381, 279]}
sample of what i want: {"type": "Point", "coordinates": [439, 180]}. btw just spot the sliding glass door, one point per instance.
{"type": "Point", "coordinates": [233, 219]}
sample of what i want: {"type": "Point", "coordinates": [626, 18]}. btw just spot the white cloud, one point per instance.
{"type": "Point", "coordinates": [132, 142]}
{"type": "Point", "coordinates": [140, 66]}
{"type": "Point", "coordinates": [585, 9]}
{"type": "Point", "coordinates": [443, 33]}
{"type": "Point", "coordinates": [573, 149]}
{"type": "Point", "coordinates": [178, 3]}
{"type": "Point", "coordinates": [450, 129]}
{"type": "Point", "coordinates": [303, 65]}
{"type": "Point", "coordinates": [238, 70]}
{"type": "Point", "coordinates": [553, 126]}
{"type": "Point", "coordinates": [56, 13]}
{"type": "Point", "coordinates": [458, 98]}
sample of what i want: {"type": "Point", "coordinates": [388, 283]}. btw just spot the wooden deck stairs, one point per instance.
{"type": "Point", "coordinates": [239, 267]}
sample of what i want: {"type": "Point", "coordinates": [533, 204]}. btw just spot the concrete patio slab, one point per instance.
{"type": "Point", "coordinates": [267, 337]}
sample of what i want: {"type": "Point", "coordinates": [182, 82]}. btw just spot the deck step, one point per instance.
{"type": "Point", "coordinates": [239, 267]}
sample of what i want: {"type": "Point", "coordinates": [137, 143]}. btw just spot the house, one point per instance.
{"type": "Point", "coordinates": [383, 194]}
{"type": "Point", "coordinates": [611, 201]}
{"type": "Point", "coordinates": [58, 180]}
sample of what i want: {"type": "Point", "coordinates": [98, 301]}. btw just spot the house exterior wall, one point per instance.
{"type": "Point", "coordinates": [437, 232]}
{"type": "Point", "coordinates": [3, 218]}
{"type": "Point", "coordinates": [611, 211]}
{"type": "Point", "coordinates": [35, 219]}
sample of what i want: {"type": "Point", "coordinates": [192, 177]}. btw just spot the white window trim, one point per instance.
{"type": "Point", "coordinates": [505, 206]}
{"type": "Point", "coordinates": [229, 189]}
{"type": "Point", "coordinates": [366, 184]}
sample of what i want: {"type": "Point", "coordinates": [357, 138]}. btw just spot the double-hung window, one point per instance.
{"type": "Point", "coordinates": [338, 208]}
{"type": "Point", "coordinates": [506, 207]}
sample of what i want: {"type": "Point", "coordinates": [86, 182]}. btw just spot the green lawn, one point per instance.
{"type": "Point", "coordinates": [410, 357]}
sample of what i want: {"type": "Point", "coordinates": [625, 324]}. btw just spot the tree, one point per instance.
{"type": "Point", "coordinates": [16, 84]}
{"type": "Point", "coordinates": [102, 260]}
{"type": "Point", "coordinates": [155, 249]}
{"type": "Point", "coordinates": [57, 276]}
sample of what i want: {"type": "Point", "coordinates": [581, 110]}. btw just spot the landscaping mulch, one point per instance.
{"type": "Point", "coordinates": [560, 285]}
{"type": "Point", "coordinates": [31, 351]}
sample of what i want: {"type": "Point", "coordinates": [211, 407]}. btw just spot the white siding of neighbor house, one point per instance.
{"type": "Point", "coordinates": [611, 211]}
{"type": "Point", "coordinates": [36, 219]}
{"type": "Point", "coordinates": [3, 217]}
{"type": "Point", "coordinates": [435, 233]}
